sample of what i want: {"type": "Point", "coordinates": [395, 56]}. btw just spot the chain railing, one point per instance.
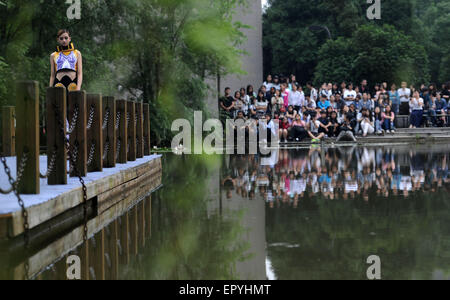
{"type": "Point", "coordinates": [51, 166]}
{"type": "Point", "coordinates": [91, 154]}
{"type": "Point", "coordinates": [91, 118]}
{"type": "Point", "coordinates": [61, 129]}
{"type": "Point", "coordinates": [14, 185]}
{"type": "Point", "coordinates": [69, 140]}
{"type": "Point", "coordinates": [73, 125]}
{"type": "Point", "coordinates": [106, 118]}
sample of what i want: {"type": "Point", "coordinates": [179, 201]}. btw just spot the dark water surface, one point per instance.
{"type": "Point", "coordinates": [297, 214]}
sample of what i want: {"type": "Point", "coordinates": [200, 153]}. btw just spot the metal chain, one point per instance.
{"type": "Point", "coordinates": [73, 125]}
{"type": "Point", "coordinates": [51, 165]}
{"type": "Point", "coordinates": [118, 149]}
{"type": "Point", "coordinates": [74, 156]}
{"type": "Point", "coordinates": [128, 118]}
{"type": "Point", "coordinates": [106, 150]}
{"type": "Point", "coordinates": [14, 185]}
{"type": "Point", "coordinates": [6, 192]}
{"type": "Point", "coordinates": [136, 119]}
{"type": "Point", "coordinates": [22, 165]}
{"type": "Point", "coordinates": [106, 120]}
{"type": "Point", "coordinates": [91, 154]}
{"type": "Point", "coordinates": [76, 171]}
{"type": "Point", "coordinates": [117, 120]}
{"type": "Point", "coordinates": [91, 118]}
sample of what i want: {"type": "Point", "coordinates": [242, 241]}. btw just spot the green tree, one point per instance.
{"type": "Point", "coordinates": [374, 53]}
{"type": "Point", "coordinates": [289, 46]}
{"type": "Point", "coordinates": [156, 51]}
{"type": "Point", "coordinates": [335, 62]}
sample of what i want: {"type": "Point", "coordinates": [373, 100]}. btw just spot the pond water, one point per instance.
{"type": "Point", "coordinates": [315, 213]}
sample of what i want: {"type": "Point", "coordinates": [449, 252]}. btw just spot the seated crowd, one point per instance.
{"type": "Point", "coordinates": [343, 111]}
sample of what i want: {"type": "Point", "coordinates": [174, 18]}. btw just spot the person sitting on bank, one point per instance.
{"type": "Point", "coordinates": [438, 105]}
{"type": "Point", "coordinates": [313, 131]}
{"type": "Point", "coordinates": [298, 129]}
{"type": "Point", "coordinates": [334, 128]}
{"type": "Point", "coordinates": [367, 123]}
{"type": "Point", "coordinates": [325, 123]}
{"type": "Point", "coordinates": [346, 130]}
{"type": "Point", "coordinates": [416, 105]}
{"type": "Point", "coordinates": [387, 120]}
{"type": "Point", "coordinates": [66, 64]}
{"type": "Point", "coordinates": [284, 129]}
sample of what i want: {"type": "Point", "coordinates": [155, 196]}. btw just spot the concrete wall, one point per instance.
{"type": "Point", "coordinates": [251, 63]}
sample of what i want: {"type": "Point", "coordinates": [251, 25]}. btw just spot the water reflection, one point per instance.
{"type": "Point", "coordinates": [298, 214]}
{"type": "Point", "coordinates": [346, 172]}
{"type": "Point", "coordinates": [328, 210]}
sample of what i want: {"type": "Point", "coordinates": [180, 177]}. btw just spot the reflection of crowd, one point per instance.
{"type": "Point", "coordinates": [289, 175]}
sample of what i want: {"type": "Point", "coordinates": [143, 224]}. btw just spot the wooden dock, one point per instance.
{"type": "Point", "coordinates": [104, 190]}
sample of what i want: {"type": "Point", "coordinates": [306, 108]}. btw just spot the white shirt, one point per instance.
{"type": "Point", "coordinates": [349, 93]}
{"type": "Point", "coordinates": [295, 98]}
{"type": "Point", "coordinates": [268, 85]}
{"type": "Point", "coordinates": [404, 95]}
{"type": "Point", "coordinates": [415, 104]}
{"type": "Point", "coordinates": [302, 99]}
{"type": "Point", "coordinates": [311, 104]}
{"type": "Point", "coordinates": [314, 94]}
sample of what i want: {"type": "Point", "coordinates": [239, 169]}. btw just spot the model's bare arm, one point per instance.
{"type": "Point", "coordinates": [79, 71]}
{"type": "Point", "coordinates": [52, 71]}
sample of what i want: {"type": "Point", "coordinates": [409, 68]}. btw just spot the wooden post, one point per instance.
{"type": "Point", "coordinates": [109, 134]}
{"type": "Point", "coordinates": [78, 138]}
{"type": "Point", "coordinates": [56, 146]}
{"type": "Point", "coordinates": [97, 255]}
{"type": "Point", "coordinates": [84, 258]}
{"type": "Point", "coordinates": [131, 117]}
{"type": "Point", "coordinates": [94, 133]}
{"type": "Point", "coordinates": [113, 251]}
{"type": "Point", "coordinates": [122, 135]}
{"type": "Point", "coordinates": [124, 239]}
{"type": "Point", "coordinates": [141, 223]}
{"type": "Point", "coordinates": [61, 269]}
{"type": "Point", "coordinates": [8, 131]}
{"type": "Point", "coordinates": [134, 231]}
{"type": "Point", "coordinates": [147, 147]}
{"type": "Point", "coordinates": [139, 130]}
{"type": "Point", "coordinates": [27, 135]}
{"type": "Point", "coordinates": [148, 216]}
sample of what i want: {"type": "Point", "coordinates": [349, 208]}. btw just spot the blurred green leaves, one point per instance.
{"type": "Point", "coordinates": [156, 51]}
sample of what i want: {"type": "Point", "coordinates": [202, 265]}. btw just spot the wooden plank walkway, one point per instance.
{"type": "Point", "coordinates": [105, 189]}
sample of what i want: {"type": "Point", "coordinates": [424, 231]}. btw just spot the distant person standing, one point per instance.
{"type": "Point", "coordinates": [268, 83]}
{"type": "Point", "coordinates": [285, 94]}
{"type": "Point", "coordinates": [446, 92]}
{"type": "Point", "coordinates": [276, 82]}
{"type": "Point", "coordinates": [295, 98]}
{"type": "Point", "coordinates": [226, 103]}
{"type": "Point", "coordinates": [404, 95]}
{"type": "Point", "coordinates": [313, 92]}
{"type": "Point", "coordinates": [395, 100]}
{"type": "Point", "coordinates": [364, 87]}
